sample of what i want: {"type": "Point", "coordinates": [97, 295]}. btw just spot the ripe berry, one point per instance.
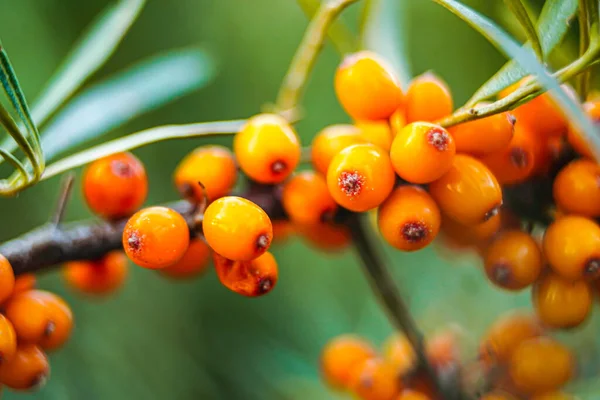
{"type": "Point", "coordinates": [330, 141]}
{"type": "Point", "coordinates": [24, 283]}
{"type": "Point", "coordinates": [340, 355]}
{"type": "Point", "coordinates": [366, 87]}
{"type": "Point", "coordinates": [115, 186]}
{"type": "Point", "coordinates": [267, 148]}
{"type": "Point", "coordinates": [155, 237]}
{"type": "Point", "coordinates": [97, 277]}
{"type": "Point", "coordinates": [428, 99]}
{"type": "Point", "coordinates": [498, 396]}
{"type": "Point", "coordinates": [540, 365]}
{"type": "Point", "coordinates": [592, 109]}
{"type": "Point", "coordinates": [560, 303]}
{"type": "Point", "coordinates": [208, 171]}
{"type": "Point", "coordinates": [306, 198]}
{"type": "Point", "coordinates": [360, 177]}
{"type": "Point", "coordinates": [398, 351]}
{"type": "Point", "coordinates": [374, 379]}
{"type": "Point", "coordinates": [27, 370]}
{"type": "Point", "coordinates": [40, 317]}
{"type": "Point", "coordinates": [378, 133]}
{"type": "Point", "coordinates": [412, 395]}
{"type": "Point", "coordinates": [237, 228]}
{"type": "Point", "coordinates": [460, 236]}
{"type": "Point", "coordinates": [325, 236]}
{"type": "Point", "coordinates": [577, 188]}
{"type": "Point", "coordinates": [194, 262]}
{"type": "Point", "coordinates": [7, 279]}
{"type": "Point", "coordinates": [409, 219]}
{"type": "Point", "coordinates": [8, 340]}
{"type": "Point", "coordinates": [553, 396]}
{"type": "Point", "coordinates": [572, 247]}
{"type": "Point", "coordinates": [422, 152]}
{"type": "Point", "coordinates": [484, 136]}
{"type": "Point", "coordinates": [513, 261]}
{"type": "Point", "coordinates": [468, 193]}
{"type": "Point", "coordinates": [252, 278]}
{"type": "Point", "coordinates": [398, 121]}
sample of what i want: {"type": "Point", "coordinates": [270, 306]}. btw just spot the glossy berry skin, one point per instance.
{"type": "Point", "coordinates": [213, 166]}
{"type": "Point", "coordinates": [340, 355]}
{"type": "Point", "coordinates": [422, 152]}
{"type": "Point", "coordinates": [460, 236]}
{"type": "Point", "coordinates": [27, 370]}
{"type": "Point", "coordinates": [155, 237]}
{"type": "Point", "coordinates": [409, 219]}
{"type": "Point", "coordinates": [366, 87]}
{"type": "Point", "coordinates": [374, 379]}
{"type": "Point", "coordinates": [484, 136]}
{"type": "Point", "coordinates": [360, 177]}
{"type": "Point", "coordinates": [41, 318]}
{"type": "Point", "coordinates": [398, 121]}
{"type": "Point", "coordinates": [8, 340]}
{"type": "Point", "coordinates": [306, 198]}
{"type": "Point", "coordinates": [24, 283]}
{"type": "Point", "coordinates": [560, 303]}
{"type": "Point", "coordinates": [330, 141]}
{"type": "Point", "coordinates": [592, 109]}
{"type": "Point", "coordinates": [194, 262]}
{"type": "Point", "coordinates": [378, 133]}
{"type": "Point", "coordinates": [428, 99]}
{"type": "Point", "coordinates": [540, 365]}
{"type": "Point", "coordinates": [115, 186]}
{"type": "Point", "coordinates": [468, 193]}
{"type": "Point", "coordinates": [237, 228]}
{"type": "Point", "coordinates": [398, 351]}
{"type": "Point", "coordinates": [7, 279]}
{"type": "Point", "coordinates": [267, 148]}
{"type": "Point", "coordinates": [513, 261]}
{"type": "Point", "coordinates": [576, 188]}
{"type": "Point", "coordinates": [252, 278]}
{"type": "Point", "coordinates": [99, 277]}
{"type": "Point", "coordinates": [572, 247]}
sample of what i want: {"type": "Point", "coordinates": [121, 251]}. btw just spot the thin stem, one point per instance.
{"type": "Point", "coordinates": [304, 60]}
{"type": "Point", "coordinates": [66, 190]}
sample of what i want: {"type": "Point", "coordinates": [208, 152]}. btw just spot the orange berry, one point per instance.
{"type": "Point", "coordinates": [560, 303]}
{"type": "Point", "coordinates": [330, 141]}
{"type": "Point", "coordinates": [340, 355]}
{"type": "Point", "coordinates": [40, 317]}
{"type": "Point", "coordinates": [409, 219]}
{"type": "Point", "coordinates": [282, 231]}
{"type": "Point", "coordinates": [378, 133]}
{"type": "Point", "coordinates": [462, 236]}
{"type": "Point", "coordinates": [267, 148]}
{"type": "Point", "coordinates": [428, 99]}
{"type": "Point", "coordinates": [398, 121]}
{"type": "Point", "coordinates": [237, 228]}
{"type": "Point", "coordinates": [572, 247]}
{"type": "Point", "coordinates": [498, 396]}
{"type": "Point", "coordinates": [422, 152]}
{"type": "Point", "coordinates": [8, 340]}
{"type": "Point", "coordinates": [28, 369]}
{"type": "Point", "coordinates": [360, 177]}
{"type": "Point", "coordinates": [513, 261]}
{"type": "Point", "coordinates": [374, 379]}
{"type": "Point", "coordinates": [540, 365]}
{"type": "Point", "coordinates": [412, 395]}
{"type": "Point", "coordinates": [208, 171]}
{"type": "Point", "coordinates": [468, 193]}
{"type": "Point", "coordinates": [7, 279]}
{"type": "Point", "coordinates": [577, 188]}
{"type": "Point", "coordinates": [442, 349]}
{"type": "Point", "coordinates": [194, 262]}
{"type": "Point", "coordinates": [366, 87]}
{"type": "Point", "coordinates": [24, 283]}
{"type": "Point", "coordinates": [97, 277]}
{"type": "Point", "coordinates": [306, 198]}
{"type": "Point", "coordinates": [252, 278]}
{"type": "Point", "coordinates": [576, 140]}
{"type": "Point", "coordinates": [505, 334]}
{"type": "Point", "coordinates": [115, 186]}
{"type": "Point", "coordinates": [553, 396]}
{"type": "Point", "coordinates": [156, 237]}
{"type": "Point", "coordinates": [484, 136]}
{"type": "Point", "coordinates": [398, 351]}
{"type": "Point", "coordinates": [326, 236]}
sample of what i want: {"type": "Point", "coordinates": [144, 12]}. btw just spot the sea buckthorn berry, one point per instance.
{"type": "Point", "coordinates": [40, 317]}
{"type": "Point", "coordinates": [484, 136]}
{"type": "Point", "coordinates": [468, 193]}
{"type": "Point", "coordinates": [267, 148]}
{"type": "Point", "coordinates": [428, 99]}
{"type": "Point", "coordinates": [97, 277]}
{"type": "Point", "coordinates": [325, 236]}
{"type": "Point", "coordinates": [553, 396]}
{"type": "Point", "coordinates": [462, 236]}
{"type": "Point", "coordinates": [7, 279]}
{"type": "Point", "coordinates": [374, 379]}
{"type": "Point", "coordinates": [572, 247]}
{"type": "Point", "coordinates": [505, 334]}
{"type": "Point", "coordinates": [398, 121]}
{"type": "Point", "coordinates": [27, 370]}
{"type": "Point", "coordinates": [366, 87]}
{"type": "Point", "coordinates": [340, 355]}
{"type": "Point", "coordinates": [252, 278]}
{"type": "Point", "coordinates": [409, 219]}
{"type": "Point", "coordinates": [194, 262]}
{"type": "Point", "coordinates": [576, 140]}
{"type": "Point", "coordinates": [155, 237]}
{"type": "Point", "coordinates": [577, 188]}
{"type": "Point", "coordinates": [330, 141]}
{"type": "Point", "coordinates": [516, 161]}
{"type": "Point", "coordinates": [208, 171]}
{"type": "Point", "coordinates": [237, 228]}
{"type": "Point", "coordinates": [422, 152]}
{"type": "Point", "coordinates": [412, 395]}
{"type": "Point", "coordinates": [378, 133]}
{"type": "Point", "coordinates": [513, 260]}
{"type": "Point", "coordinates": [360, 177]}
{"type": "Point", "coordinates": [498, 396]}
{"type": "Point", "coordinates": [24, 283]}
{"type": "Point", "coordinates": [115, 186]}
{"type": "Point", "coordinates": [306, 198]}
{"type": "Point", "coordinates": [8, 340]}
{"type": "Point", "coordinates": [561, 303]}
{"type": "Point", "coordinates": [540, 365]}
{"type": "Point", "coordinates": [398, 351]}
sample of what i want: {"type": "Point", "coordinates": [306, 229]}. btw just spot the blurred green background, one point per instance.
{"type": "Point", "coordinates": [160, 339]}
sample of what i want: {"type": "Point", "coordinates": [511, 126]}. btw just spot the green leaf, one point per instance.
{"type": "Point", "coordinates": [552, 26]}
{"type": "Point", "coordinates": [140, 89]}
{"type": "Point", "coordinates": [520, 12]}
